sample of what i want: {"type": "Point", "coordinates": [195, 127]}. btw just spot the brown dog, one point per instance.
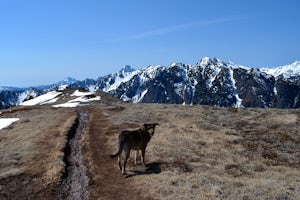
{"type": "Point", "coordinates": [136, 140]}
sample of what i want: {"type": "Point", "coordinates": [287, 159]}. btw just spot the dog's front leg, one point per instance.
{"type": "Point", "coordinates": [143, 156]}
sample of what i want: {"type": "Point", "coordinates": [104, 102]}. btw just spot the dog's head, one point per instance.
{"type": "Point", "coordinates": [150, 128]}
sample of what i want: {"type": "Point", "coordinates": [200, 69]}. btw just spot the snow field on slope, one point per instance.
{"type": "Point", "coordinates": [119, 80]}
{"type": "Point", "coordinates": [81, 98]}
{"type": "Point", "coordinates": [77, 93]}
{"type": "Point", "coordinates": [41, 99]}
{"type": "Point", "coordinates": [5, 122]}
{"type": "Point", "coordinates": [287, 71]}
{"type": "Point", "coordinates": [53, 96]}
{"type": "Point", "coordinates": [238, 99]}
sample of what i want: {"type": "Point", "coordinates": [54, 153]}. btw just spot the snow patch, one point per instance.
{"type": "Point", "coordinates": [82, 97]}
{"type": "Point", "coordinates": [52, 97]}
{"type": "Point", "coordinates": [150, 73]}
{"type": "Point", "coordinates": [50, 101]}
{"type": "Point", "coordinates": [204, 61]}
{"type": "Point", "coordinates": [179, 87]}
{"type": "Point", "coordinates": [26, 94]}
{"type": "Point", "coordinates": [119, 79]}
{"type": "Point", "coordinates": [5, 122]}
{"type": "Point", "coordinates": [77, 93]}
{"type": "Point", "coordinates": [67, 105]}
{"type": "Point", "coordinates": [41, 99]}
{"type": "Point", "coordinates": [213, 75]}
{"type": "Point", "coordinates": [286, 71]}
{"type": "Point", "coordinates": [238, 99]}
{"type": "Point", "coordinates": [275, 90]}
{"type": "Point", "coordinates": [62, 87]}
{"type": "Point", "coordinates": [137, 98]}
{"type": "Point", "coordinates": [93, 88]}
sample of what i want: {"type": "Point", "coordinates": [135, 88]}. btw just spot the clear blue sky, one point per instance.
{"type": "Point", "coordinates": [44, 41]}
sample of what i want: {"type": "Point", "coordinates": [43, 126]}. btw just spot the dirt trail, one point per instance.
{"type": "Point", "coordinates": [106, 181]}
{"type": "Point", "coordinates": [74, 179]}
{"type": "Point", "coordinates": [78, 141]}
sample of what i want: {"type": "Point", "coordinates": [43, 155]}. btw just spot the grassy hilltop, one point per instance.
{"type": "Point", "coordinates": [197, 152]}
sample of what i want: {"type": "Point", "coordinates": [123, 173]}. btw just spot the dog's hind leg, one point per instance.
{"type": "Point", "coordinates": [127, 155]}
{"type": "Point", "coordinates": [125, 161]}
{"type": "Point", "coordinates": [119, 161]}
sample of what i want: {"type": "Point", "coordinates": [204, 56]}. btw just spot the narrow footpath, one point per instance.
{"type": "Point", "coordinates": [106, 181]}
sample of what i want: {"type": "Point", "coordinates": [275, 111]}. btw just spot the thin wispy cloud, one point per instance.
{"type": "Point", "coordinates": [180, 27]}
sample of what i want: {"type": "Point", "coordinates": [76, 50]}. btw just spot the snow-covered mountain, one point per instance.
{"type": "Point", "coordinates": [209, 82]}
{"type": "Point", "coordinates": [287, 71]}
{"type": "Point", "coordinates": [11, 96]}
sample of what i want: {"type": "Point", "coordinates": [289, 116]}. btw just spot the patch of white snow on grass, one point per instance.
{"type": "Point", "coordinates": [50, 101]}
{"type": "Point", "coordinates": [67, 105]}
{"type": "Point", "coordinates": [5, 122]}
{"type": "Point", "coordinates": [83, 99]}
{"type": "Point", "coordinates": [77, 93]}
{"type": "Point", "coordinates": [25, 95]}
{"type": "Point", "coordinates": [41, 99]}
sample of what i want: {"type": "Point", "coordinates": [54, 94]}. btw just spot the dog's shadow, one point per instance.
{"type": "Point", "coordinates": [151, 168]}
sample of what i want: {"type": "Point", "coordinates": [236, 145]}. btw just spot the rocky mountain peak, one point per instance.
{"type": "Point", "coordinates": [127, 69]}
{"type": "Point", "coordinates": [210, 82]}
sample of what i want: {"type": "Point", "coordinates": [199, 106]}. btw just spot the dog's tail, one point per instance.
{"type": "Point", "coordinates": [119, 151]}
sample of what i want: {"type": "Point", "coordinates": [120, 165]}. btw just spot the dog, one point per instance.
{"type": "Point", "coordinates": [136, 140]}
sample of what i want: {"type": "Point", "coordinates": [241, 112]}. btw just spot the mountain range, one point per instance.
{"type": "Point", "coordinates": [211, 81]}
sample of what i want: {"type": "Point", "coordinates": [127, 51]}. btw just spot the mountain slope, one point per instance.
{"type": "Point", "coordinates": [208, 82]}
{"type": "Point", "coordinates": [286, 71]}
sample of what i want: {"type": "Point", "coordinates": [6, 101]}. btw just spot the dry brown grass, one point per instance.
{"type": "Point", "coordinates": [197, 152]}
{"type": "Point", "coordinates": [202, 152]}
{"type": "Point", "coordinates": [32, 149]}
